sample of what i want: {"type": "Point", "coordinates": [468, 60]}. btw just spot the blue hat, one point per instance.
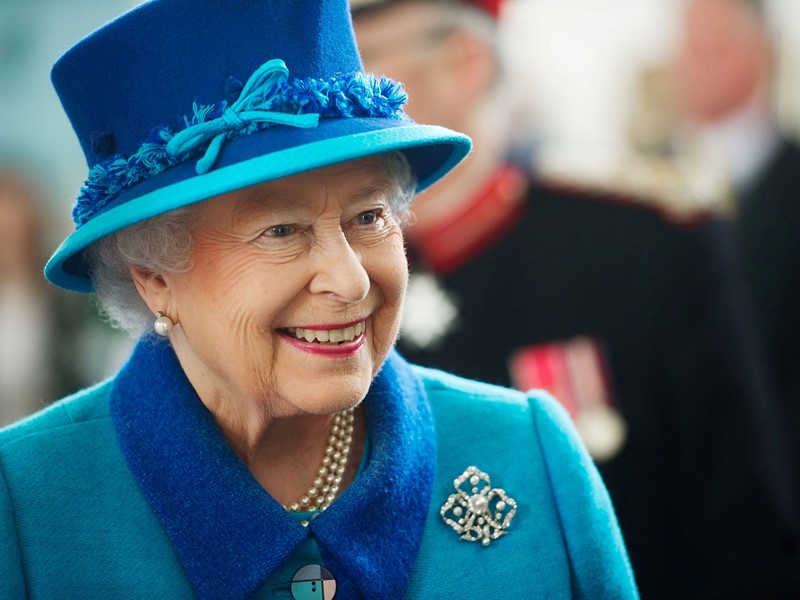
{"type": "Point", "coordinates": [178, 101]}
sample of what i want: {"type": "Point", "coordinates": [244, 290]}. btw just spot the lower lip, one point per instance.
{"type": "Point", "coordinates": [343, 350]}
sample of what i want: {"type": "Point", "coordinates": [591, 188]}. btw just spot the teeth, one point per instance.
{"type": "Point", "coordinates": [333, 336]}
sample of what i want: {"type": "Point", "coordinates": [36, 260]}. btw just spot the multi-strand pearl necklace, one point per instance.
{"type": "Point", "coordinates": [326, 484]}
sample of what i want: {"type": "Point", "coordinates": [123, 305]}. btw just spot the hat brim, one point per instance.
{"type": "Point", "coordinates": [432, 151]}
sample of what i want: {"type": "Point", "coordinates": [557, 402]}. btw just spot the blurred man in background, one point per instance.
{"type": "Point", "coordinates": [726, 73]}
{"type": "Point", "coordinates": [635, 323]}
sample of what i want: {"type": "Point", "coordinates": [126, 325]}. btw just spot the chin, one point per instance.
{"type": "Point", "coordinates": [330, 397]}
{"type": "Point", "coordinates": [320, 384]}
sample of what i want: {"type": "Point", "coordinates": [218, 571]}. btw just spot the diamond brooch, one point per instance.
{"type": "Point", "coordinates": [477, 511]}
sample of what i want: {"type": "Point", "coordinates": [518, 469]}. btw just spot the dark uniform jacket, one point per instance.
{"type": "Point", "coordinates": [768, 228]}
{"type": "Point", "coordinates": [700, 497]}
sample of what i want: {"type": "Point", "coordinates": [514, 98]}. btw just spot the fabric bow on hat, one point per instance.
{"type": "Point", "coordinates": [248, 109]}
{"type": "Point", "coordinates": [268, 98]}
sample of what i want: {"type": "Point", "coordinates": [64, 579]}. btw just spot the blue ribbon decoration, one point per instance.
{"type": "Point", "coordinates": [269, 98]}
{"type": "Point", "coordinates": [248, 109]}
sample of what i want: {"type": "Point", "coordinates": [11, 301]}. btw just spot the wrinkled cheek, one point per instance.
{"type": "Point", "coordinates": [253, 351]}
{"type": "Point", "coordinates": [394, 292]}
{"type": "Point", "coordinates": [400, 262]}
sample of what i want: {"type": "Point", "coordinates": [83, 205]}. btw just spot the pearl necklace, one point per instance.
{"type": "Point", "coordinates": [325, 487]}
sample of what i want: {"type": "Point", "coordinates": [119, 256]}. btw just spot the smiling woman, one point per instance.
{"type": "Point", "coordinates": [265, 439]}
{"type": "Point", "coordinates": [165, 243]}
{"type": "Point", "coordinates": [306, 277]}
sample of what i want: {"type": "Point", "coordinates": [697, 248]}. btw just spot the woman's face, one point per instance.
{"type": "Point", "coordinates": [296, 291]}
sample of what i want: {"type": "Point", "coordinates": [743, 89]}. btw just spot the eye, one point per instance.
{"type": "Point", "coordinates": [279, 231]}
{"type": "Point", "coordinates": [368, 217]}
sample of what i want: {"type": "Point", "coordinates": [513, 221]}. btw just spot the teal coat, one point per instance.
{"type": "Point", "coordinates": [128, 490]}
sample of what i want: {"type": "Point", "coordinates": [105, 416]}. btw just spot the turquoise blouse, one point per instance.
{"type": "Point", "coordinates": [129, 490]}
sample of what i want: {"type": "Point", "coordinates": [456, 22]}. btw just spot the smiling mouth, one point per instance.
{"type": "Point", "coordinates": [332, 337]}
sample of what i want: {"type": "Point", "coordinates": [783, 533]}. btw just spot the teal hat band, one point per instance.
{"type": "Point", "coordinates": [267, 99]}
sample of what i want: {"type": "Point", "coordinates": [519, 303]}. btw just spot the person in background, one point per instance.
{"type": "Point", "coordinates": [264, 440]}
{"type": "Point", "coordinates": [638, 324]}
{"type": "Point", "coordinates": [51, 343]}
{"type": "Point", "coordinates": [26, 373]}
{"type": "Point", "coordinates": [725, 71]}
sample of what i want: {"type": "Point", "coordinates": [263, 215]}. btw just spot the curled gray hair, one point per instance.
{"type": "Point", "coordinates": [164, 244]}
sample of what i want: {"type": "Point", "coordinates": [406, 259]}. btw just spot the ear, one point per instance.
{"type": "Point", "coordinates": [154, 290]}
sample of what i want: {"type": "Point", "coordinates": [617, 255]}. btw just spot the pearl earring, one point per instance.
{"type": "Point", "coordinates": [163, 324]}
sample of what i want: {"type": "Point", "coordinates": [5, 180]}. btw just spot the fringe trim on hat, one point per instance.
{"type": "Point", "coordinates": [345, 96]}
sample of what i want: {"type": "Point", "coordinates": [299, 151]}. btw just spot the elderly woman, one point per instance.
{"type": "Point", "coordinates": [264, 440]}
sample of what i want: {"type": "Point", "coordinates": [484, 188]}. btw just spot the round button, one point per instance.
{"type": "Point", "coordinates": [313, 582]}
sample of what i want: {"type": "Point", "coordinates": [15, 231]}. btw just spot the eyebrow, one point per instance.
{"type": "Point", "coordinates": [379, 186]}
{"type": "Point", "coordinates": [250, 201]}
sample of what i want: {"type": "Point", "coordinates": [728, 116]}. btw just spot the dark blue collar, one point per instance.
{"type": "Point", "coordinates": [228, 532]}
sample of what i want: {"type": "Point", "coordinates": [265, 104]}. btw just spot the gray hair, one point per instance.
{"type": "Point", "coordinates": [164, 244]}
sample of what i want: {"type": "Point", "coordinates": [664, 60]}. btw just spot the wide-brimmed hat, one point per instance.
{"type": "Point", "coordinates": [178, 101]}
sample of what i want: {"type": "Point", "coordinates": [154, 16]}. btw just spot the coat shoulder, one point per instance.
{"type": "Point", "coordinates": [440, 384]}
{"type": "Point", "coordinates": [565, 535]}
{"type": "Point", "coordinates": [482, 400]}
{"type": "Point", "coordinates": [87, 405]}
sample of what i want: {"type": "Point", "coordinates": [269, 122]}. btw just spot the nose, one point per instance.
{"type": "Point", "coordinates": [339, 271]}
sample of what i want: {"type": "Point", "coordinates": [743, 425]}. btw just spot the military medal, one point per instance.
{"type": "Point", "coordinates": [574, 372]}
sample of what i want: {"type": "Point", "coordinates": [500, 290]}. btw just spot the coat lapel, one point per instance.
{"type": "Point", "coordinates": [228, 532]}
{"type": "Point", "coordinates": [373, 532]}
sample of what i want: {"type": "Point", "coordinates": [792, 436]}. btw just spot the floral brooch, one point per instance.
{"type": "Point", "coordinates": [478, 513]}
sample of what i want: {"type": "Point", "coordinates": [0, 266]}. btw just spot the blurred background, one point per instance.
{"type": "Point", "coordinates": [590, 67]}
{"type": "Point", "coordinates": [590, 63]}
{"type": "Point", "coordinates": [52, 342]}
{"type": "Point", "coordinates": [591, 76]}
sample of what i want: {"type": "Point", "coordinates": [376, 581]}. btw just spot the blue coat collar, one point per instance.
{"type": "Point", "coordinates": [229, 533]}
